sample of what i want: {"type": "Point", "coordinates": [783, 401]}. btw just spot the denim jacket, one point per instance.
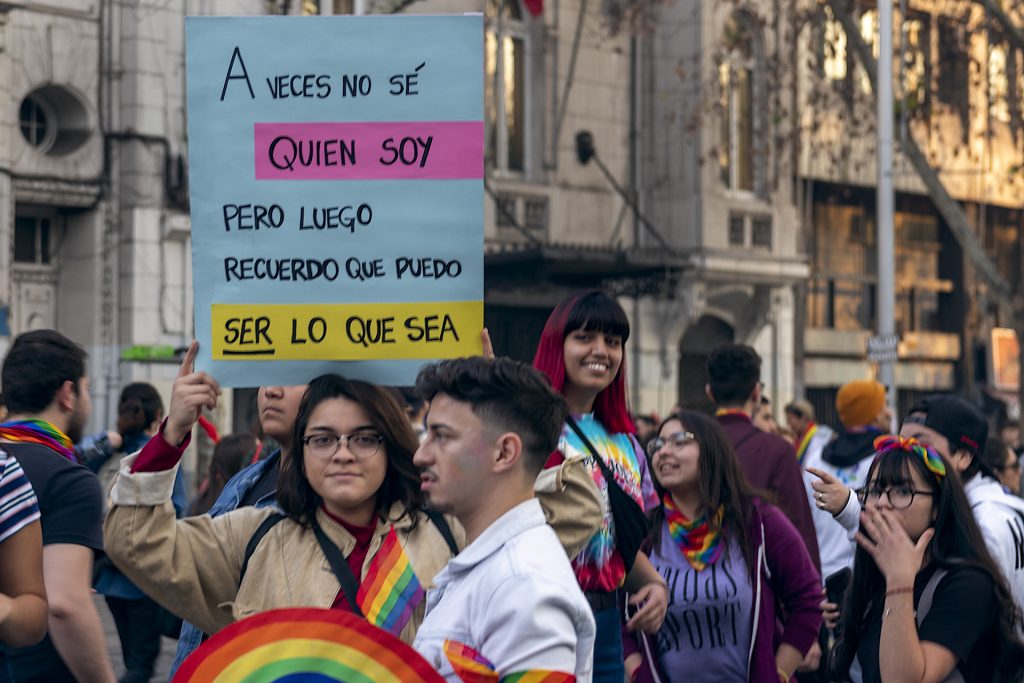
{"type": "Point", "coordinates": [229, 499]}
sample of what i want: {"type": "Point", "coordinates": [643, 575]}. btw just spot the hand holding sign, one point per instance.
{"type": "Point", "coordinates": [192, 392]}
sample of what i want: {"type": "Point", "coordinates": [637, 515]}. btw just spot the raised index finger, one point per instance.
{"type": "Point", "coordinates": [188, 362]}
{"type": "Point", "coordinates": [821, 474]}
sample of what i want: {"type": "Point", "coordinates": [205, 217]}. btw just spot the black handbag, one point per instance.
{"type": "Point", "coordinates": [631, 524]}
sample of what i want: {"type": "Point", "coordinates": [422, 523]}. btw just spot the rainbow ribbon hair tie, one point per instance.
{"type": "Point", "coordinates": [932, 460]}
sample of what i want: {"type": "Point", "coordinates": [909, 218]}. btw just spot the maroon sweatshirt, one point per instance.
{"type": "Point", "coordinates": [769, 464]}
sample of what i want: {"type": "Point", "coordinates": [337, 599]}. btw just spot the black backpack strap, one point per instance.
{"type": "Point", "coordinates": [446, 531]}
{"type": "Point", "coordinates": [339, 565]}
{"type": "Point", "coordinates": [257, 536]}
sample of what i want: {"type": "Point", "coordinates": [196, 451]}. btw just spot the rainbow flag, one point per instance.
{"type": "Point", "coordinates": [390, 591]}
{"type": "Point", "coordinates": [473, 667]}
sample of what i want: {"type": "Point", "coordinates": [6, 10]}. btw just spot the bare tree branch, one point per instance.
{"type": "Point", "coordinates": [1013, 32]}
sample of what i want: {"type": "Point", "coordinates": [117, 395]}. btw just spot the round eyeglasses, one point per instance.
{"type": "Point", "coordinates": [900, 497]}
{"type": "Point", "coordinates": [324, 445]}
{"type": "Point", "coordinates": [675, 442]}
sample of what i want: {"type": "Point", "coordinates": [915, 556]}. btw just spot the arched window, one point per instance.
{"type": "Point", "coordinates": [740, 81]}
{"type": "Point", "coordinates": [505, 90]}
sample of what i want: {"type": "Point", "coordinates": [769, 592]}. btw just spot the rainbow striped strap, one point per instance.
{"type": "Point", "coordinates": [932, 460]}
{"type": "Point", "coordinates": [390, 592]}
{"type": "Point", "coordinates": [472, 667]}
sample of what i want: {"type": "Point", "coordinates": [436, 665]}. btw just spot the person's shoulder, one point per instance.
{"type": "Point", "coordinates": [966, 581]}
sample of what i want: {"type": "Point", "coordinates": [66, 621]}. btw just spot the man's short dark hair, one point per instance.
{"type": "Point", "coordinates": [36, 367]}
{"type": "Point", "coordinates": [733, 372]}
{"type": "Point", "coordinates": [504, 394]}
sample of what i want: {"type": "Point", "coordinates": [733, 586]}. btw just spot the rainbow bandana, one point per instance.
{"type": "Point", "coordinates": [801, 449]}
{"type": "Point", "coordinates": [472, 667]}
{"type": "Point", "coordinates": [390, 592]}
{"type": "Point", "coordinates": [40, 432]}
{"type": "Point", "coordinates": [699, 543]}
{"type": "Point", "coordinates": [932, 460]}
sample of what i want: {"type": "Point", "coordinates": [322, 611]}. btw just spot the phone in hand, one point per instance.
{"type": "Point", "coordinates": [836, 584]}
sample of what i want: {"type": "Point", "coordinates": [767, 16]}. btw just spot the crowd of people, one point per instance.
{"type": "Point", "coordinates": [523, 514]}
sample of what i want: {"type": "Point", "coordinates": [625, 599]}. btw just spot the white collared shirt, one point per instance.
{"type": "Point", "coordinates": [512, 596]}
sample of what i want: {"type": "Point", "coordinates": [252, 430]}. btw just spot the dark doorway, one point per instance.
{"type": "Point", "coordinates": [699, 339]}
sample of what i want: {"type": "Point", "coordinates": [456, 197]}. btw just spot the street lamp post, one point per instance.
{"type": "Point", "coordinates": [886, 248]}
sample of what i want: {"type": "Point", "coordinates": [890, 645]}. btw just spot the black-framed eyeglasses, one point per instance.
{"type": "Point", "coordinates": [675, 442]}
{"type": "Point", "coordinates": [900, 497]}
{"type": "Point", "coordinates": [324, 445]}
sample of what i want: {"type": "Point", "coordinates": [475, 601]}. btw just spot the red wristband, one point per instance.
{"type": "Point", "coordinates": [899, 591]}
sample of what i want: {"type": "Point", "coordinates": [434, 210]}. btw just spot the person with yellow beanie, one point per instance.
{"type": "Point", "coordinates": [842, 466]}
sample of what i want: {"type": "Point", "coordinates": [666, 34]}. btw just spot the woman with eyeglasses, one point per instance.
{"type": "Point", "coordinates": [926, 601]}
{"type": "Point", "coordinates": [735, 566]}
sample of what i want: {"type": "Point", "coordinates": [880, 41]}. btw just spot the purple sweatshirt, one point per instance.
{"type": "Point", "coordinates": [785, 576]}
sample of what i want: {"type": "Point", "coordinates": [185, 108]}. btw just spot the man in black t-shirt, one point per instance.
{"type": "Point", "coordinates": [46, 390]}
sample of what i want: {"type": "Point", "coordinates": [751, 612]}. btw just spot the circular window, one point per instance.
{"type": "Point", "coordinates": [53, 120]}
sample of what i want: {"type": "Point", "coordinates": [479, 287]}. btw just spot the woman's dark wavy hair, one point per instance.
{"type": "Point", "coordinates": [139, 407]}
{"type": "Point", "coordinates": [721, 483]}
{"type": "Point", "coordinates": [401, 481]}
{"type": "Point", "coordinates": [591, 310]}
{"type": "Point", "coordinates": [957, 543]}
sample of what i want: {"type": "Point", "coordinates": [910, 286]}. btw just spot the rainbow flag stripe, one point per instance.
{"type": "Point", "coordinates": [539, 676]}
{"type": "Point", "coordinates": [390, 591]}
{"type": "Point", "coordinates": [305, 644]}
{"type": "Point", "coordinates": [469, 665]}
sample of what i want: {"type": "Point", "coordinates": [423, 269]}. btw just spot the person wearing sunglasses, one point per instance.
{"type": "Point", "coordinates": [926, 602]}
{"type": "Point", "coordinates": [736, 567]}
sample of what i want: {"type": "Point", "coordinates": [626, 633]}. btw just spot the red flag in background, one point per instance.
{"type": "Point", "coordinates": [534, 7]}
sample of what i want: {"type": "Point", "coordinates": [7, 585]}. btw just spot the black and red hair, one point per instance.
{"type": "Point", "coordinates": [592, 310]}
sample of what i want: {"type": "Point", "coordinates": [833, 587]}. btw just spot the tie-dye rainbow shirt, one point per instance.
{"type": "Point", "coordinates": [599, 566]}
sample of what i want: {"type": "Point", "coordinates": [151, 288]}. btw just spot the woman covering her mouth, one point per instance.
{"type": "Point", "coordinates": [582, 350]}
{"type": "Point", "coordinates": [734, 561]}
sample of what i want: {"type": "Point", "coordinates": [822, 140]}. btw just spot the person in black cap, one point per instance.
{"type": "Point", "coordinates": [958, 431]}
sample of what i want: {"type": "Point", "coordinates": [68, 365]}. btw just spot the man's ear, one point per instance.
{"type": "Point", "coordinates": [510, 450]}
{"type": "Point", "coordinates": [709, 394]}
{"type": "Point", "coordinates": [67, 396]}
{"type": "Point", "coordinates": [962, 459]}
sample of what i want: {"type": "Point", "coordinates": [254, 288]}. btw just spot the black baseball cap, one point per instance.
{"type": "Point", "coordinates": [961, 423]}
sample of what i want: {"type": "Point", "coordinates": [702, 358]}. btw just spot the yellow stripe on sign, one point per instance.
{"type": "Point", "coordinates": [388, 331]}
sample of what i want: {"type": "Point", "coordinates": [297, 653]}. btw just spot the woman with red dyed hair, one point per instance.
{"type": "Point", "coordinates": [582, 351]}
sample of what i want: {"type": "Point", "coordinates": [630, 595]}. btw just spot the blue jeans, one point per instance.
{"type": "Point", "coordinates": [608, 667]}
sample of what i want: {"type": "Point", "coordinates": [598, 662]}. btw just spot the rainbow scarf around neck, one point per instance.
{"type": "Point", "coordinates": [699, 542]}
{"type": "Point", "coordinates": [390, 592]}
{"type": "Point", "coordinates": [472, 667]}
{"type": "Point", "coordinates": [40, 432]}
{"type": "Point", "coordinates": [801, 449]}
{"type": "Point", "coordinates": [723, 412]}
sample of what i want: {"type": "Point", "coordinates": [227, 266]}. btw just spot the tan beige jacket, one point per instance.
{"type": "Point", "coordinates": [192, 566]}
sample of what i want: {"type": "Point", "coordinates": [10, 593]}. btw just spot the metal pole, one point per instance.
{"type": "Point", "coordinates": [886, 248]}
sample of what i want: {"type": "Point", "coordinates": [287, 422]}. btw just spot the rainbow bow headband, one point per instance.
{"type": "Point", "coordinates": [932, 461]}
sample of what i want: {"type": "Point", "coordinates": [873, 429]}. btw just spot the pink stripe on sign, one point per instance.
{"type": "Point", "coordinates": [444, 150]}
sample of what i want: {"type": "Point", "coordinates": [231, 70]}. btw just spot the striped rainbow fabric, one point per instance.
{"type": "Point", "coordinates": [390, 591]}
{"type": "Point", "coordinates": [472, 667]}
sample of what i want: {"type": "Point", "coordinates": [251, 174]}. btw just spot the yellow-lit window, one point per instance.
{"type": "Point", "coordinates": [505, 93]}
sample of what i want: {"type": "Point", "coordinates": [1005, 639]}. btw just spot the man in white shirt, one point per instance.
{"type": "Point", "coordinates": [510, 596]}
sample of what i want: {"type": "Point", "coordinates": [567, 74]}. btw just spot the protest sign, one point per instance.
{"type": "Point", "coordinates": [336, 170]}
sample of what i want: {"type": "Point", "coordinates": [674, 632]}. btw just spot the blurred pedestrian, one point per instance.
{"type": "Point", "coordinates": [764, 419]}
{"type": "Point", "coordinates": [768, 461]}
{"type": "Point", "coordinates": [230, 455]}
{"type": "Point", "coordinates": [646, 429]}
{"type": "Point", "coordinates": [582, 351]}
{"type": "Point", "coordinates": [736, 565]}
{"type": "Point", "coordinates": [1004, 463]}
{"type": "Point", "coordinates": [809, 436]}
{"type": "Point", "coordinates": [926, 601]}
{"type": "Point", "coordinates": [46, 390]}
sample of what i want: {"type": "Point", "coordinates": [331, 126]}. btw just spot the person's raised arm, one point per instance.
{"type": "Point", "coordinates": [22, 591]}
